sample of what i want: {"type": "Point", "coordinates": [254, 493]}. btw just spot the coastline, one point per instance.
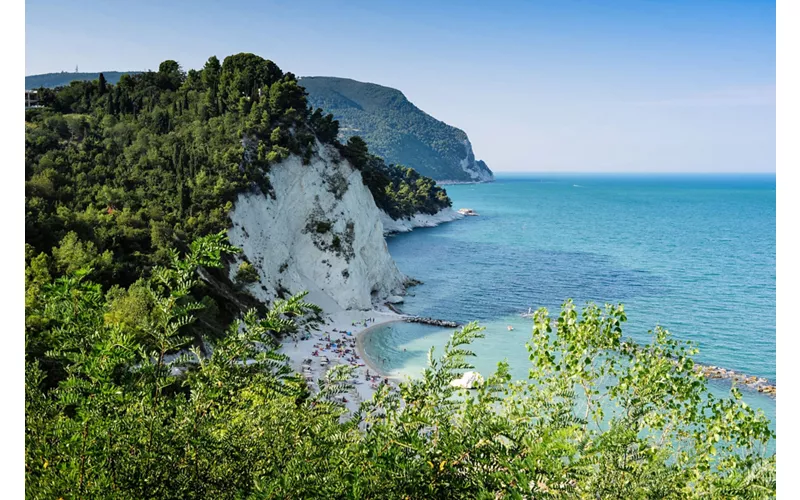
{"type": "Point", "coordinates": [345, 349]}
{"type": "Point", "coordinates": [339, 339]}
{"type": "Point", "coordinates": [362, 352]}
{"type": "Point", "coordinates": [405, 225]}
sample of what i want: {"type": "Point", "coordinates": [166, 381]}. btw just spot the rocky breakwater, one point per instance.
{"type": "Point", "coordinates": [759, 384]}
{"type": "Point", "coordinates": [432, 321]}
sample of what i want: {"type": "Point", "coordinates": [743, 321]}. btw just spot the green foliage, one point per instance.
{"type": "Point", "coordinates": [246, 273]}
{"type": "Point", "coordinates": [400, 191]}
{"type": "Point", "coordinates": [118, 174]}
{"type": "Point", "coordinates": [131, 169]}
{"type": "Point", "coordinates": [394, 128]}
{"type": "Point", "coordinates": [72, 254]}
{"type": "Point", "coordinates": [134, 409]}
{"type": "Point", "coordinates": [115, 410]}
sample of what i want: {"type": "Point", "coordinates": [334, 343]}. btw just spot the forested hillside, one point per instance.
{"type": "Point", "coordinates": [118, 174]}
{"type": "Point", "coordinates": [396, 130]}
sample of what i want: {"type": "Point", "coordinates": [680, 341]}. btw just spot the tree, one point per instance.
{"type": "Point", "coordinates": [102, 84]}
{"type": "Point", "coordinates": [243, 74]}
{"type": "Point", "coordinates": [170, 75]}
{"type": "Point", "coordinates": [168, 409]}
{"type": "Point", "coordinates": [357, 152]}
{"type": "Point", "coordinates": [72, 254]}
{"type": "Point", "coordinates": [326, 128]}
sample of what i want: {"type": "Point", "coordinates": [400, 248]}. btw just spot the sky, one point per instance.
{"type": "Point", "coordinates": [540, 86]}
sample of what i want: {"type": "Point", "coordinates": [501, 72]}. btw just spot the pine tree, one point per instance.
{"type": "Point", "coordinates": [102, 82]}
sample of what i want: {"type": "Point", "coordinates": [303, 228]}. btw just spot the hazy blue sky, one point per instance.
{"type": "Point", "coordinates": [537, 85]}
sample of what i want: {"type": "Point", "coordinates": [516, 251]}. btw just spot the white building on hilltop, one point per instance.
{"type": "Point", "coordinates": [31, 99]}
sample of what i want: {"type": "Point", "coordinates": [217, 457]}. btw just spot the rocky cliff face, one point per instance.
{"type": "Point", "coordinates": [476, 170]}
{"type": "Point", "coordinates": [321, 232]}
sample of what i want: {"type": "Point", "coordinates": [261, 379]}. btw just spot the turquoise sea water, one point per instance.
{"type": "Point", "coordinates": [694, 254]}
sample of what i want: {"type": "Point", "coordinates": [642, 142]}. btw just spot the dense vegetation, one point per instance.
{"type": "Point", "coordinates": [117, 174]}
{"type": "Point", "coordinates": [399, 191]}
{"type": "Point", "coordinates": [395, 129]}
{"type": "Point", "coordinates": [111, 414]}
{"type": "Point", "coordinates": [63, 79]}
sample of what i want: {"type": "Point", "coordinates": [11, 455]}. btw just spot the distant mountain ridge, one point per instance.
{"type": "Point", "coordinates": [53, 80]}
{"type": "Point", "coordinates": [396, 129]}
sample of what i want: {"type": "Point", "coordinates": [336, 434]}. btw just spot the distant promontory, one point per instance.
{"type": "Point", "coordinates": [397, 130]}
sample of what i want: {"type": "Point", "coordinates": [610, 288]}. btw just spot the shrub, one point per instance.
{"type": "Point", "coordinates": [246, 273]}
{"type": "Point", "coordinates": [323, 227]}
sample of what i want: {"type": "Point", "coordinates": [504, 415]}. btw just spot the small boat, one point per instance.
{"type": "Point", "coordinates": [510, 328]}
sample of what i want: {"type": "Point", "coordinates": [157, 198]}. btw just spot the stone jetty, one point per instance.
{"type": "Point", "coordinates": [432, 321]}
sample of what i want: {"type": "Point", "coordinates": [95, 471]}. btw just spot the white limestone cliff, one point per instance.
{"type": "Point", "coordinates": [321, 232]}
{"type": "Point", "coordinates": [476, 169]}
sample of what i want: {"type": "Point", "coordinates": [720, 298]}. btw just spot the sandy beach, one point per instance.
{"type": "Point", "coordinates": [338, 341]}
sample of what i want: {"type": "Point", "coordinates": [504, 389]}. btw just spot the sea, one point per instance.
{"type": "Point", "coordinates": [694, 254]}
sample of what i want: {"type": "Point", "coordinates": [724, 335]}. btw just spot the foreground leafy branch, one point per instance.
{"type": "Point", "coordinates": [145, 409]}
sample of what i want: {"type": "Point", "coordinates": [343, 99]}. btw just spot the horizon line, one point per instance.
{"type": "Point", "coordinates": [618, 172]}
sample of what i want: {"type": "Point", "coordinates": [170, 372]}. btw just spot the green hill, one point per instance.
{"type": "Point", "coordinates": [397, 130]}
{"type": "Point", "coordinates": [62, 79]}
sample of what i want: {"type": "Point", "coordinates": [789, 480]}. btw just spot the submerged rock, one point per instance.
{"type": "Point", "coordinates": [758, 383]}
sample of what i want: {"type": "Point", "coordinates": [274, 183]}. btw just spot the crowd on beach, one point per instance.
{"type": "Point", "coordinates": [344, 348]}
{"type": "Point", "coordinates": [316, 351]}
